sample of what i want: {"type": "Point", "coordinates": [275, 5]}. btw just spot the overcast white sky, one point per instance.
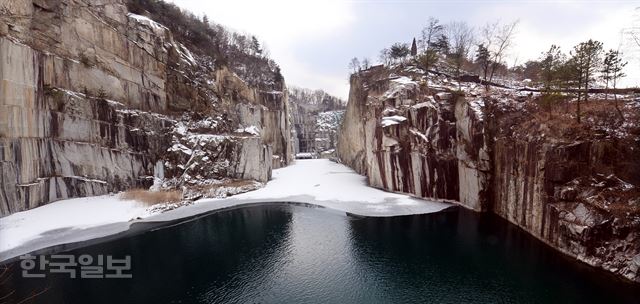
{"type": "Point", "coordinates": [313, 40]}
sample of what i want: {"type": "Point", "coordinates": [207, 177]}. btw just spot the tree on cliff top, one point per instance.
{"type": "Point", "coordinates": [277, 74]}
{"type": "Point", "coordinates": [483, 59]}
{"type": "Point", "coordinates": [461, 39]}
{"type": "Point", "coordinates": [430, 34]}
{"type": "Point", "coordinates": [385, 56]}
{"type": "Point", "coordinates": [529, 70]}
{"type": "Point", "coordinates": [586, 57]}
{"type": "Point", "coordinates": [427, 60]}
{"type": "Point", "coordinates": [414, 48]}
{"type": "Point", "coordinates": [612, 71]}
{"type": "Point", "coordinates": [399, 51]}
{"type": "Point", "coordinates": [431, 42]}
{"type": "Point", "coordinates": [550, 64]}
{"type": "Point", "coordinates": [357, 65]}
{"type": "Point", "coordinates": [255, 46]}
{"type": "Point", "coordinates": [441, 45]}
{"type": "Point", "coordinates": [498, 38]}
{"type": "Point", "coordinates": [354, 65]}
{"type": "Point", "coordinates": [365, 63]}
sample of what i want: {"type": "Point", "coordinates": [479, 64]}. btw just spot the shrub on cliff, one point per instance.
{"type": "Point", "coordinates": [152, 197]}
{"type": "Point", "coordinates": [548, 100]}
{"type": "Point", "coordinates": [427, 60]}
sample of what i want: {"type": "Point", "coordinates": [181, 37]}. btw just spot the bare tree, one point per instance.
{"type": "Point", "coordinates": [636, 37]}
{"type": "Point", "coordinates": [461, 38]}
{"type": "Point", "coordinates": [634, 30]}
{"type": "Point", "coordinates": [385, 56]}
{"type": "Point", "coordinates": [354, 65]}
{"type": "Point", "coordinates": [431, 33]}
{"type": "Point", "coordinates": [498, 38]}
{"type": "Point", "coordinates": [365, 63]}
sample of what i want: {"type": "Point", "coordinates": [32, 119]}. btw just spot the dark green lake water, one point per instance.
{"type": "Point", "coordinates": [294, 254]}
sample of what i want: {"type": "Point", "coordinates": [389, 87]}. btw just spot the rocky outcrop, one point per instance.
{"type": "Point", "coordinates": [401, 139]}
{"type": "Point", "coordinates": [95, 99]}
{"type": "Point", "coordinates": [576, 190]}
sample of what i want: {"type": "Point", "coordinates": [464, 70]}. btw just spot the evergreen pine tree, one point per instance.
{"type": "Point", "coordinates": [414, 48]}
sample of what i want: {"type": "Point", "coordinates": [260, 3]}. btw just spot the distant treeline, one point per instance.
{"type": "Point", "coordinates": [320, 99]}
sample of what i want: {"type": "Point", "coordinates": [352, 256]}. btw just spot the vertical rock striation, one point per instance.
{"type": "Point", "coordinates": [94, 99]}
{"type": "Point", "coordinates": [401, 138]}
{"type": "Point", "coordinates": [578, 192]}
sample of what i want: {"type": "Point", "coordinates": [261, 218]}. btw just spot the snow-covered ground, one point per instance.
{"type": "Point", "coordinates": [66, 221]}
{"type": "Point", "coordinates": [319, 182]}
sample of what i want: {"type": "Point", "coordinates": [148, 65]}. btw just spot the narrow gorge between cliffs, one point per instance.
{"type": "Point", "coordinates": [145, 145]}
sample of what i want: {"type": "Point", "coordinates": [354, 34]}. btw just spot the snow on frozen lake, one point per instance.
{"type": "Point", "coordinates": [319, 182]}
{"type": "Point", "coordinates": [65, 221]}
{"type": "Point", "coordinates": [328, 184]}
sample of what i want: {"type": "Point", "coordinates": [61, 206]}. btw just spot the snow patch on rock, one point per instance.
{"type": "Point", "coordinates": [392, 120]}
{"type": "Point", "coordinates": [155, 26]}
{"type": "Point", "coordinates": [253, 130]}
{"type": "Point", "coordinates": [399, 87]}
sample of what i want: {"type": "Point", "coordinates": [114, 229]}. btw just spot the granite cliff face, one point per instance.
{"type": "Point", "coordinates": [94, 99]}
{"type": "Point", "coordinates": [402, 139]}
{"type": "Point", "coordinates": [316, 117]}
{"type": "Point", "coordinates": [575, 187]}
